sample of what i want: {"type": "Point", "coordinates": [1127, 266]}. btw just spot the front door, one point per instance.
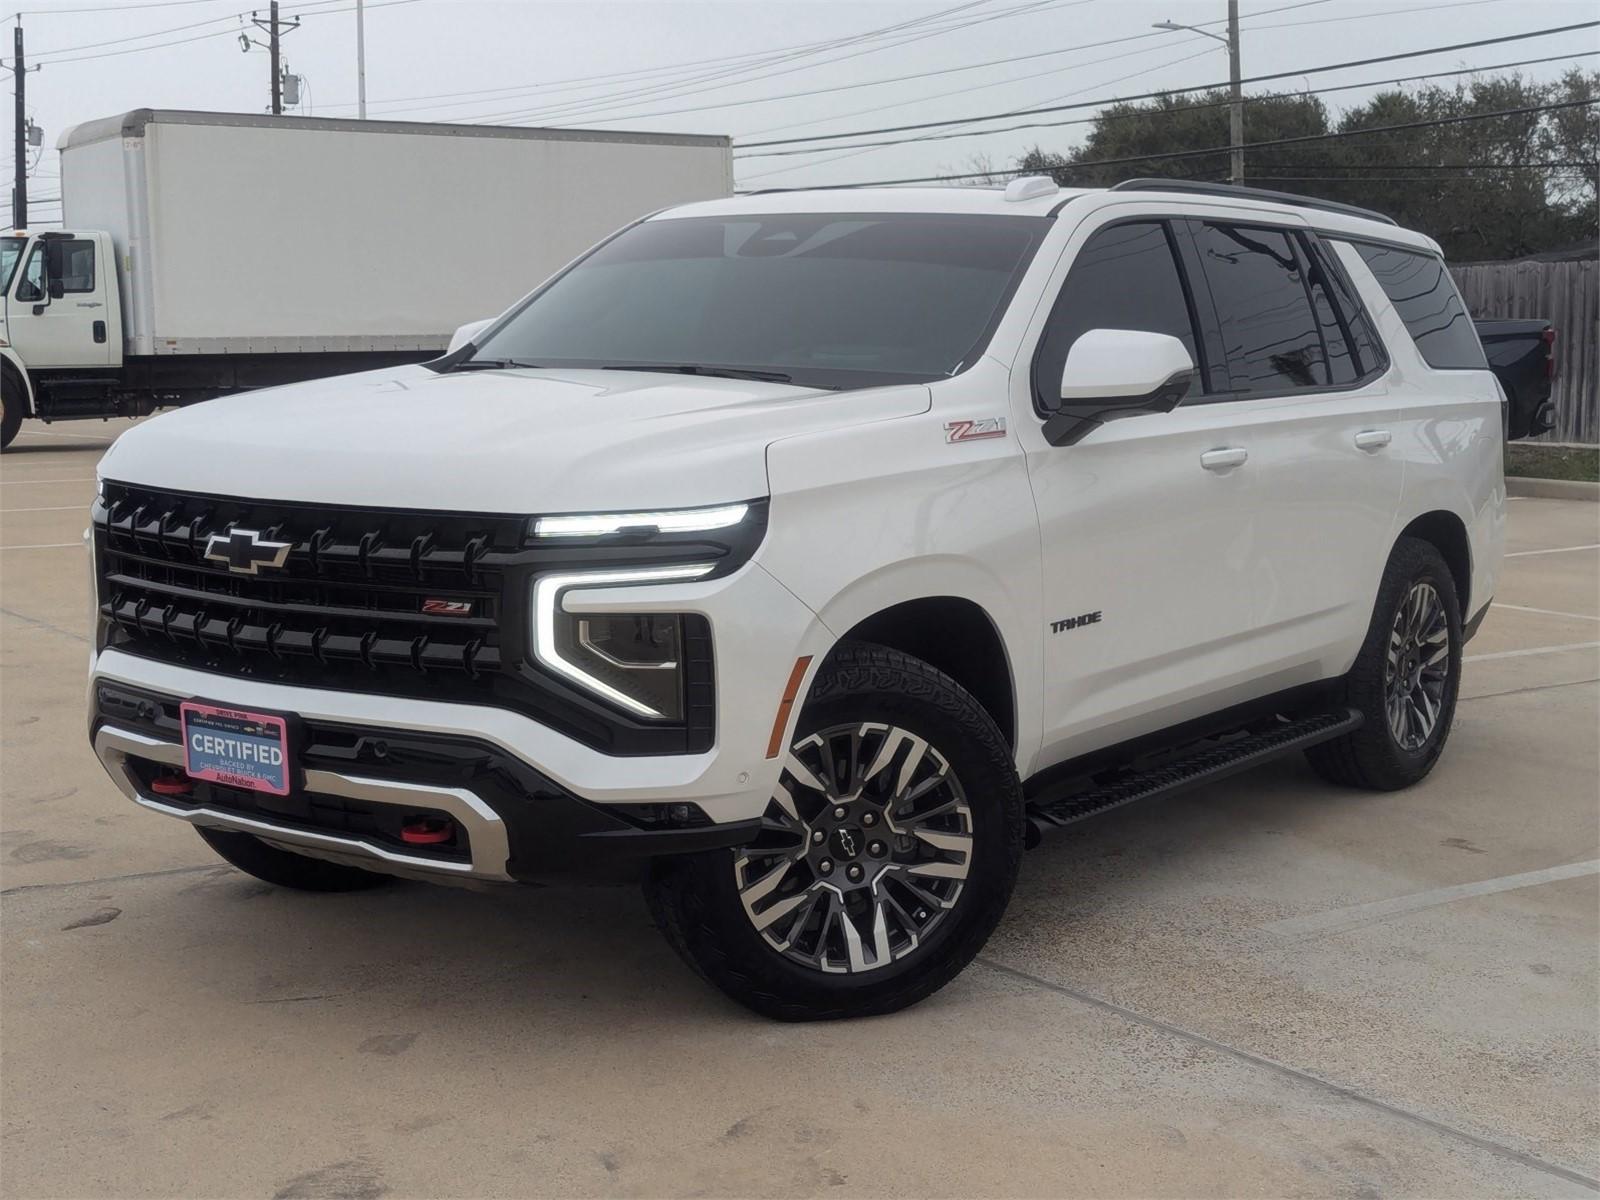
{"type": "Point", "coordinates": [56, 312]}
{"type": "Point", "coordinates": [1145, 544]}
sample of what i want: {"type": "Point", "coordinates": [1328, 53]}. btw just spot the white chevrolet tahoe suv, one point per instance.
{"type": "Point", "coordinates": [806, 555]}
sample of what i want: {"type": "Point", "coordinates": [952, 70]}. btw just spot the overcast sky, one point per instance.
{"type": "Point", "coordinates": [735, 66]}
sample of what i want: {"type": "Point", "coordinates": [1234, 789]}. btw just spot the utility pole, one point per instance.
{"type": "Point", "coordinates": [19, 192]}
{"type": "Point", "coordinates": [1236, 103]}
{"type": "Point", "coordinates": [361, 63]}
{"type": "Point", "coordinates": [1236, 109]}
{"type": "Point", "coordinates": [274, 29]}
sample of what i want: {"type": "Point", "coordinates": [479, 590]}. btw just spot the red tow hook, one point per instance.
{"type": "Point", "coordinates": [427, 831]}
{"type": "Point", "coordinates": [172, 785]}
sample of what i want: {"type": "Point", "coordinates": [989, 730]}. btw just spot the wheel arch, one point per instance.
{"type": "Point", "coordinates": [957, 636]}
{"type": "Point", "coordinates": [1447, 533]}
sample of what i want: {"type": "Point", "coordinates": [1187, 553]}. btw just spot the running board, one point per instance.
{"type": "Point", "coordinates": [1202, 764]}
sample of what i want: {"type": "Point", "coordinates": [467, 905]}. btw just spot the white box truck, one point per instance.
{"type": "Point", "coordinates": [205, 253]}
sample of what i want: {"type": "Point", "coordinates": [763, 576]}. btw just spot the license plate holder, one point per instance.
{"type": "Point", "coordinates": [235, 748]}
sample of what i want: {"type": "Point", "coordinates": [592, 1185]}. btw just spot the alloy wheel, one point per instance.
{"type": "Point", "coordinates": [1417, 668]}
{"type": "Point", "coordinates": [863, 851]}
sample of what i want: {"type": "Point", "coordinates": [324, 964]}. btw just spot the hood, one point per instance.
{"type": "Point", "coordinates": [517, 441]}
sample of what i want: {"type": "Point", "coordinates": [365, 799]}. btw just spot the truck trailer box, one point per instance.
{"type": "Point", "coordinates": [244, 234]}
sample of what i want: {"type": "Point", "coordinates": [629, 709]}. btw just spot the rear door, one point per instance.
{"type": "Point", "coordinates": [1313, 410]}
{"type": "Point", "coordinates": [57, 311]}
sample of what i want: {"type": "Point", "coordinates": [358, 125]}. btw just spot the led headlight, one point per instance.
{"type": "Point", "coordinates": [633, 660]}
{"type": "Point", "coordinates": [682, 520]}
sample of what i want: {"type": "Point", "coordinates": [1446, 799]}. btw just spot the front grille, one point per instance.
{"type": "Point", "coordinates": [346, 610]}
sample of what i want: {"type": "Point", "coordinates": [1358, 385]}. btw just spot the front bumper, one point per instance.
{"type": "Point", "coordinates": [357, 784]}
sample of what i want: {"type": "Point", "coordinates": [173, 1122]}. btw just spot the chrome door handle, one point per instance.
{"type": "Point", "coordinates": [1373, 439]}
{"type": "Point", "coordinates": [1222, 460]}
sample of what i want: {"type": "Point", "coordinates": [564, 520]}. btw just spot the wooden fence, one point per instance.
{"type": "Point", "coordinates": [1568, 295]}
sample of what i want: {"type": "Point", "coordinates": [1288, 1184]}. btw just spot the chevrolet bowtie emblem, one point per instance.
{"type": "Point", "coordinates": [245, 551]}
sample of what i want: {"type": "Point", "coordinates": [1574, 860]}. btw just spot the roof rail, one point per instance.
{"type": "Point", "coordinates": [1239, 191]}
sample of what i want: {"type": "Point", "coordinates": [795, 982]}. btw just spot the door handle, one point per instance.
{"type": "Point", "coordinates": [1373, 439]}
{"type": "Point", "coordinates": [1222, 460]}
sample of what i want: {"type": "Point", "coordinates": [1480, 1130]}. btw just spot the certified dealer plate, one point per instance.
{"type": "Point", "coordinates": [235, 748]}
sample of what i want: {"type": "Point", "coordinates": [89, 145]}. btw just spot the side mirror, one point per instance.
{"type": "Point", "coordinates": [1113, 373]}
{"type": "Point", "coordinates": [56, 289]}
{"type": "Point", "coordinates": [467, 332]}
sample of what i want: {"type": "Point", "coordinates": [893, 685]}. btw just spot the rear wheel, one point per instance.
{"type": "Point", "coordinates": [887, 853]}
{"type": "Point", "coordinates": [254, 857]}
{"type": "Point", "coordinates": [1405, 679]}
{"type": "Point", "coordinates": [13, 405]}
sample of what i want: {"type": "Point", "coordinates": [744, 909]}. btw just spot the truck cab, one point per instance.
{"type": "Point", "coordinates": [60, 323]}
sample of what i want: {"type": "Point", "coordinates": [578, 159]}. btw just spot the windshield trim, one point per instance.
{"type": "Point", "coordinates": [833, 379]}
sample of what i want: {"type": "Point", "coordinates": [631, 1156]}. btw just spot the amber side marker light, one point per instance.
{"type": "Point", "coordinates": [790, 689]}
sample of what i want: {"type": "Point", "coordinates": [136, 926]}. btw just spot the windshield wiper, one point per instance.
{"type": "Point", "coordinates": [491, 364]}
{"type": "Point", "coordinates": [704, 369]}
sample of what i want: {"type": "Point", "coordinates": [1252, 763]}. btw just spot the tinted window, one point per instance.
{"type": "Point", "coordinates": [1125, 277]}
{"type": "Point", "coordinates": [1329, 281]}
{"type": "Point", "coordinates": [834, 300]}
{"type": "Point", "coordinates": [72, 264]}
{"type": "Point", "coordinates": [30, 288]}
{"type": "Point", "coordinates": [1269, 331]}
{"type": "Point", "coordinates": [1425, 297]}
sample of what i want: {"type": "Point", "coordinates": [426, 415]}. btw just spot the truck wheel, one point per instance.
{"type": "Point", "coordinates": [13, 405]}
{"type": "Point", "coordinates": [1404, 680]}
{"type": "Point", "coordinates": [887, 856]}
{"type": "Point", "coordinates": [254, 857]}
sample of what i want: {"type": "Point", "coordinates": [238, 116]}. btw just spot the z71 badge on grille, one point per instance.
{"type": "Point", "coordinates": [435, 607]}
{"type": "Point", "coordinates": [974, 431]}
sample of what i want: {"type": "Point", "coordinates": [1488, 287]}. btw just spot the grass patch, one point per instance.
{"type": "Point", "coordinates": [1533, 461]}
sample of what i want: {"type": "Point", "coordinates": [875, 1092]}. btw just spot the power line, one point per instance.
{"type": "Point", "coordinates": [1024, 112]}
{"type": "Point", "coordinates": [844, 87]}
{"type": "Point", "coordinates": [1290, 141]}
{"type": "Point", "coordinates": [586, 109]}
{"type": "Point", "coordinates": [52, 12]}
{"type": "Point", "coordinates": [1142, 113]}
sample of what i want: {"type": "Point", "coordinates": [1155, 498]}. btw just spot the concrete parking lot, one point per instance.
{"type": "Point", "coordinates": [1268, 987]}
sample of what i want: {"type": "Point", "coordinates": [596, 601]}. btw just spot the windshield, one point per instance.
{"type": "Point", "coordinates": [826, 300]}
{"type": "Point", "coordinates": [10, 252]}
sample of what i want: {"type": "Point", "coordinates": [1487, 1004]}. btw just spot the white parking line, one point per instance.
{"type": "Point", "coordinates": [1557, 550]}
{"type": "Point", "coordinates": [1336, 919]}
{"type": "Point", "coordinates": [47, 546]}
{"type": "Point", "coordinates": [1546, 612]}
{"type": "Point", "coordinates": [82, 437]}
{"type": "Point", "coordinates": [50, 508]}
{"type": "Point", "coordinates": [1533, 650]}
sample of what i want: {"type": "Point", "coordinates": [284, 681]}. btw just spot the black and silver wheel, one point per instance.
{"type": "Point", "coordinates": [886, 855]}
{"type": "Point", "coordinates": [1405, 678]}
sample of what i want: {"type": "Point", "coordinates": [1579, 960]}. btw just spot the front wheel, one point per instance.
{"type": "Point", "coordinates": [1405, 679]}
{"type": "Point", "coordinates": [886, 857]}
{"type": "Point", "coordinates": [13, 405]}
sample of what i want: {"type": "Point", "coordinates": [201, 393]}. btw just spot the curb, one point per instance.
{"type": "Point", "coordinates": [1552, 489]}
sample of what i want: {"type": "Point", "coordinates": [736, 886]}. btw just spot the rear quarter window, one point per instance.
{"type": "Point", "coordinates": [1422, 292]}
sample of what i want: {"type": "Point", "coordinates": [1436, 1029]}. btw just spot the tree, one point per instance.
{"type": "Point", "coordinates": [1483, 189]}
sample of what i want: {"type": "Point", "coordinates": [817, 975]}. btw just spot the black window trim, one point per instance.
{"type": "Point", "coordinates": [1378, 370]}
{"type": "Point", "coordinates": [1203, 344]}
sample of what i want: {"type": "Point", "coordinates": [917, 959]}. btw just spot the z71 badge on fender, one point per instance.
{"type": "Point", "coordinates": [974, 431]}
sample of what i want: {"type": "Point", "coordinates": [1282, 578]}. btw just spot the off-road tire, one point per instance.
{"type": "Point", "coordinates": [696, 903]}
{"type": "Point", "coordinates": [254, 857]}
{"type": "Point", "coordinates": [1371, 757]}
{"type": "Point", "coordinates": [13, 402]}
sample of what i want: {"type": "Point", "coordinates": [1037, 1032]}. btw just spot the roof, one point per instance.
{"type": "Point", "coordinates": [133, 124]}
